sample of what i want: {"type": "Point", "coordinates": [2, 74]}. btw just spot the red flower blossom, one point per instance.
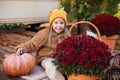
{"type": "Point", "coordinates": [82, 54]}
{"type": "Point", "coordinates": [88, 65]}
{"type": "Point", "coordinates": [107, 24]}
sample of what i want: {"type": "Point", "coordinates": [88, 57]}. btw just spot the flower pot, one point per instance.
{"type": "Point", "coordinates": [82, 77]}
{"type": "Point", "coordinates": [110, 41]}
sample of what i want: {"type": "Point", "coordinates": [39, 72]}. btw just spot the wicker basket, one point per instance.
{"type": "Point", "coordinates": [110, 41]}
{"type": "Point", "coordinates": [86, 22]}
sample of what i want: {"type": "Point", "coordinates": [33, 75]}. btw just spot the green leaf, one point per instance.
{"type": "Point", "coordinates": [80, 10]}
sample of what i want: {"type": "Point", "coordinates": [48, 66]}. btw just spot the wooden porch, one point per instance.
{"type": "Point", "coordinates": [8, 42]}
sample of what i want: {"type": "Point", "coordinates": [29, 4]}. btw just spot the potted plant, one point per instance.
{"type": "Point", "coordinates": [82, 55]}
{"type": "Point", "coordinates": [11, 27]}
{"type": "Point", "coordinates": [109, 27]}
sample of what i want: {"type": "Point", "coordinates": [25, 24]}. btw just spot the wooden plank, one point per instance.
{"type": "Point", "coordinates": [17, 38]}
{"type": "Point", "coordinates": [9, 41]}
{"type": "Point", "coordinates": [27, 33]}
{"type": "Point", "coordinates": [7, 49]}
{"type": "Point", "coordinates": [3, 53]}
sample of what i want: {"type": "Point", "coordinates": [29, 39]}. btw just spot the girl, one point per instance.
{"type": "Point", "coordinates": [45, 41]}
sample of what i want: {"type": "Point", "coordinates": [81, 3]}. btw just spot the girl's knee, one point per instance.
{"type": "Point", "coordinates": [47, 62]}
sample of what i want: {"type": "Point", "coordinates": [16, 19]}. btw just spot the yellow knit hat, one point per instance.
{"type": "Point", "coordinates": [57, 13]}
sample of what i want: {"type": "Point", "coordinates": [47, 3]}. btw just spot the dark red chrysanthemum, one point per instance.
{"type": "Point", "coordinates": [81, 53]}
{"type": "Point", "coordinates": [107, 24]}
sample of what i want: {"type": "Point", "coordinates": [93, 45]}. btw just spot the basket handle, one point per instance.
{"type": "Point", "coordinates": [86, 22]}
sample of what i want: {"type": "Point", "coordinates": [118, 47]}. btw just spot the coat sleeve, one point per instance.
{"type": "Point", "coordinates": [35, 43]}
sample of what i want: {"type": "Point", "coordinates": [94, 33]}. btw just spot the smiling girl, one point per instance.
{"type": "Point", "coordinates": [45, 41]}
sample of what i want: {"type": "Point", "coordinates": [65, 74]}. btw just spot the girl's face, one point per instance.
{"type": "Point", "coordinates": [58, 25]}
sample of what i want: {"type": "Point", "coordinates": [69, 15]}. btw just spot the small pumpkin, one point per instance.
{"type": "Point", "coordinates": [18, 65]}
{"type": "Point", "coordinates": [82, 77]}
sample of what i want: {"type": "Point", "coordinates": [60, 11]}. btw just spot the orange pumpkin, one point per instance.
{"type": "Point", "coordinates": [82, 77]}
{"type": "Point", "coordinates": [18, 65]}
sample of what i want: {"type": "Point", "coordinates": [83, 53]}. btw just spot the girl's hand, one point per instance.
{"type": "Point", "coordinates": [19, 51]}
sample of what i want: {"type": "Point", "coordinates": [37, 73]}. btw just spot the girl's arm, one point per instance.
{"type": "Point", "coordinates": [35, 43]}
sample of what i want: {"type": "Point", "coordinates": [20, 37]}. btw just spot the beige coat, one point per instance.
{"type": "Point", "coordinates": [41, 46]}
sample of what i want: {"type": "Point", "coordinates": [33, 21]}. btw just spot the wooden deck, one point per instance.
{"type": "Point", "coordinates": [7, 44]}
{"type": "Point", "coordinates": [10, 40]}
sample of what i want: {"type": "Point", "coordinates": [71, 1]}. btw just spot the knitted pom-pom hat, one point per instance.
{"type": "Point", "coordinates": [57, 13]}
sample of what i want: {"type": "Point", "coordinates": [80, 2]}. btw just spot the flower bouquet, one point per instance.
{"type": "Point", "coordinates": [81, 54]}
